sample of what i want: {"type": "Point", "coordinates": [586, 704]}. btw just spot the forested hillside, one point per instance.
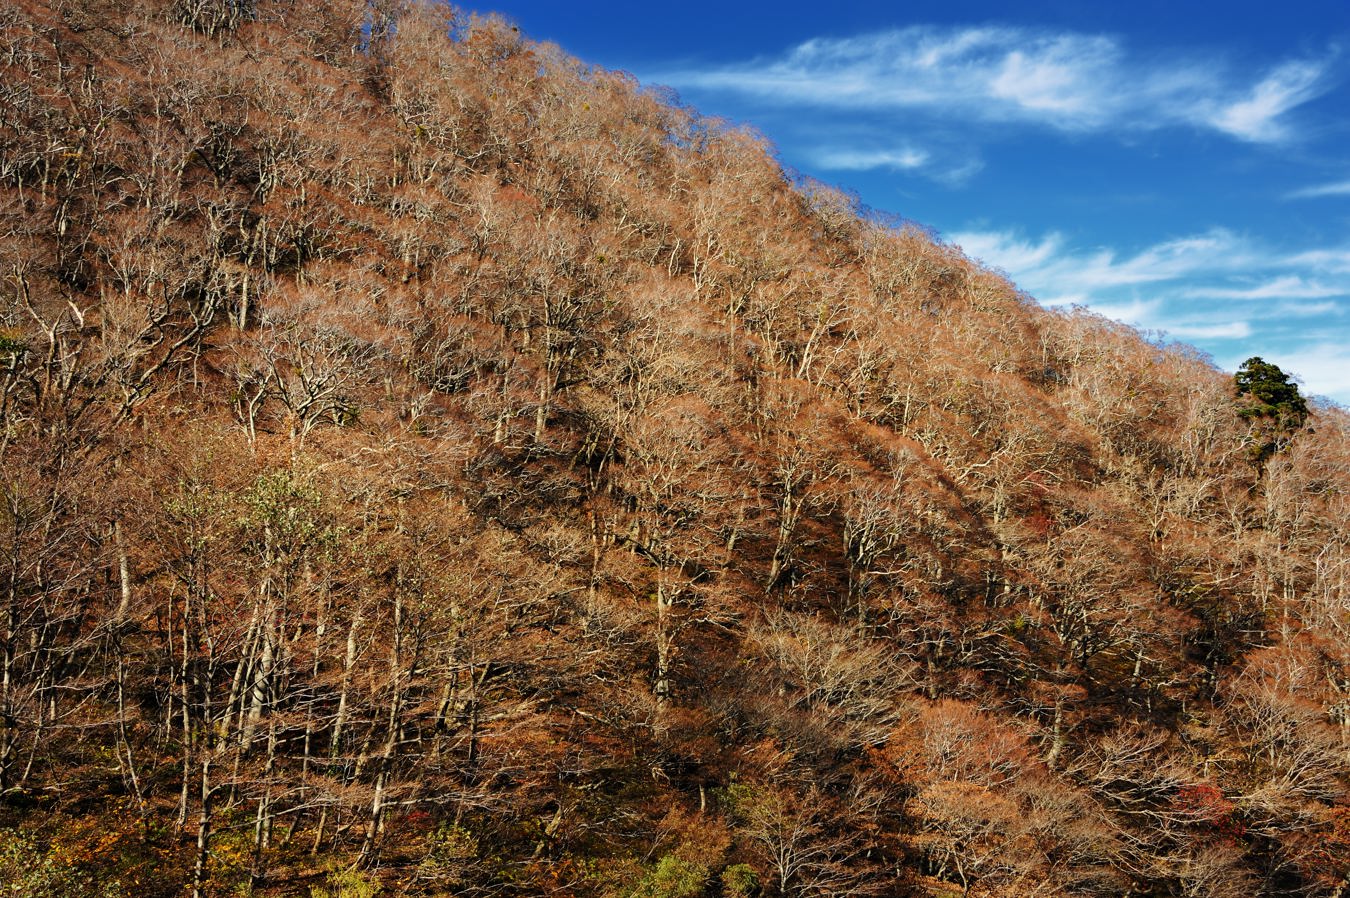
{"type": "Point", "coordinates": [432, 465]}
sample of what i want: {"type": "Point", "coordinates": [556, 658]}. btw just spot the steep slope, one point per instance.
{"type": "Point", "coordinates": [434, 464]}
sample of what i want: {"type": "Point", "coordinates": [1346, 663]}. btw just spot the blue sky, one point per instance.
{"type": "Point", "coordinates": [1181, 166]}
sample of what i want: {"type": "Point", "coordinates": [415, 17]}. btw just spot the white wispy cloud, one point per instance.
{"type": "Point", "coordinates": [1052, 267]}
{"type": "Point", "coordinates": [1258, 117]}
{"type": "Point", "coordinates": [1232, 330]}
{"type": "Point", "coordinates": [1065, 80]}
{"type": "Point", "coordinates": [1308, 310]}
{"type": "Point", "coordinates": [1008, 251]}
{"type": "Point", "coordinates": [1217, 264]}
{"type": "Point", "coordinates": [847, 159]}
{"type": "Point", "coordinates": [1290, 286]}
{"type": "Point", "coordinates": [1138, 312]}
{"type": "Point", "coordinates": [1333, 260]}
{"type": "Point", "coordinates": [1216, 286]}
{"type": "Point", "coordinates": [949, 165]}
{"type": "Point", "coordinates": [1338, 188]}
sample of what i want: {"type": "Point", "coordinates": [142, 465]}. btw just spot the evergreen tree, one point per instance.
{"type": "Point", "coordinates": [1272, 402]}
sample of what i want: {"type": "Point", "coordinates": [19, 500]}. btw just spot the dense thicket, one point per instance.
{"type": "Point", "coordinates": [433, 464]}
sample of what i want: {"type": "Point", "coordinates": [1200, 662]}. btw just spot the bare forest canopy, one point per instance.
{"type": "Point", "coordinates": [431, 465]}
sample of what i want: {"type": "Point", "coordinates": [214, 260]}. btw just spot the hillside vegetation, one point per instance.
{"type": "Point", "coordinates": [432, 465]}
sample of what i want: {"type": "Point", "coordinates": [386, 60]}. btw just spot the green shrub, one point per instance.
{"type": "Point", "coordinates": [740, 881]}
{"type": "Point", "coordinates": [346, 884]}
{"type": "Point", "coordinates": [27, 870]}
{"type": "Point", "coordinates": [450, 851]}
{"type": "Point", "coordinates": [672, 877]}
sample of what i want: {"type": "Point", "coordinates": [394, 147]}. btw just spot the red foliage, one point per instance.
{"type": "Point", "coordinates": [1205, 806]}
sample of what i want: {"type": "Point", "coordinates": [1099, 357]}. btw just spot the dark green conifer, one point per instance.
{"type": "Point", "coordinates": [1271, 401]}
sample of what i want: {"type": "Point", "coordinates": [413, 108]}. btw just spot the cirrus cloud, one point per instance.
{"type": "Point", "coordinates": [1338, 188]}
{"type": "Point", "coordinates": [1065, 80]}
{"type": "Point", "coordinates": [844, 159]}
{"type": "Point", "coordinates": [1217, 287]}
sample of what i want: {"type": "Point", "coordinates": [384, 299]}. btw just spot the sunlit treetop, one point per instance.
{"type": "Point", "coordinates": [1270, 392]}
